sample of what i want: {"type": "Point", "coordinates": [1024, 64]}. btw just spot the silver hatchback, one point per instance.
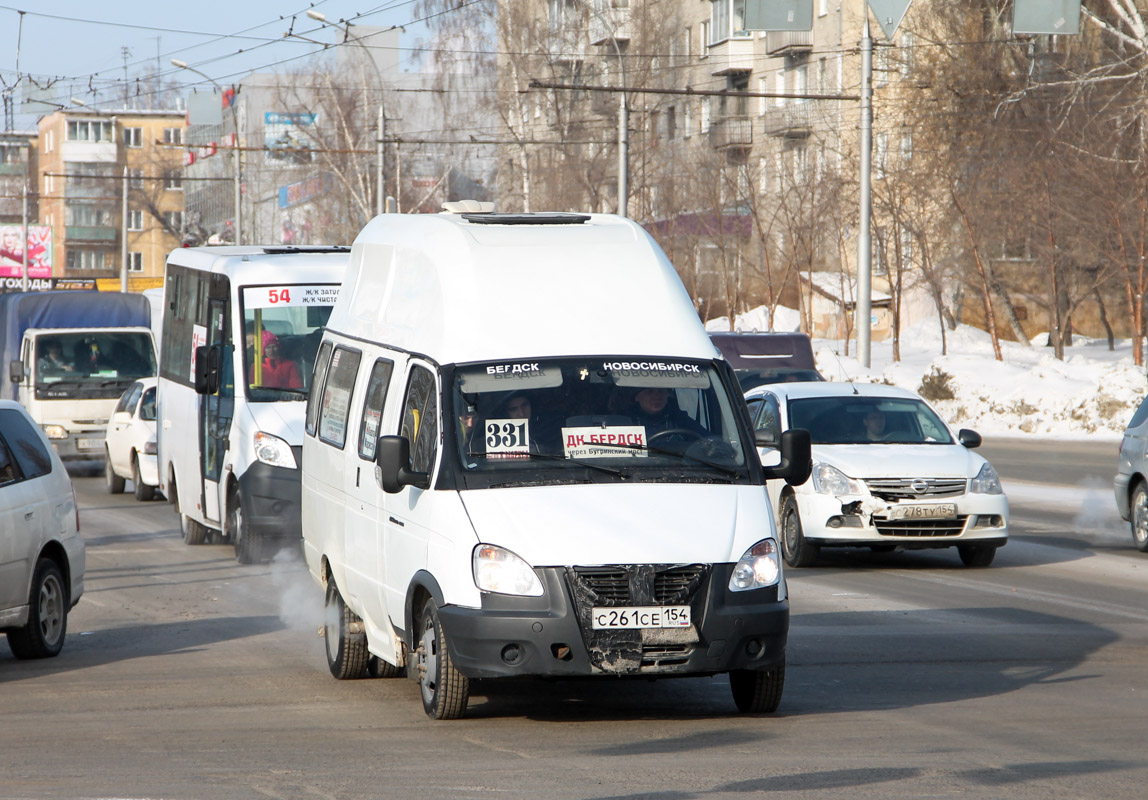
{"type": "Point", "coordinates": [1131, 482]}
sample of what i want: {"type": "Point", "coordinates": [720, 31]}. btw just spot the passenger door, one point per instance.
{"type": "Point", "coordinates": [26, 504]}
{"type": "Point", "coordinates": [218, 410]}
{"type": "Point", "coordinates": [768, 419]}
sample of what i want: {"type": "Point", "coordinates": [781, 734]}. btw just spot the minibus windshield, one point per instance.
{"type": "Point", "coordinates": [622, 418]}
{"type": "Point", "coordinates": [281, 338]}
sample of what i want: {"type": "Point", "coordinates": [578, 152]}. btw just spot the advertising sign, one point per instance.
{"type": "Point", "coordinates": [39, 251]}
{"type": "Point", "coordinates": [284, 136]}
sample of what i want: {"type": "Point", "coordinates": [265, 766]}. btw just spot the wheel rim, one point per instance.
{"type": "Point", "coordinates": [109, 476]}
{"type": "Point", "coordinates": [332, 627]}
{"type": "Point", "coordinates": [136, 474]}
{"type": "Point", "coordinates": [1140, 515]}
{"type": "Point", "coordinates": [51, 610]}
{"type": "Point", "coordinates": [791, 534]}
{"type": "Point", "coordinates": [237, 523]}
{"type": "Point", "coordinates": [428, 662]}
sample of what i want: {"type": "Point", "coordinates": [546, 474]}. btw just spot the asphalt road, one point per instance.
{"type": "Point", "coordinates": [186, 675]}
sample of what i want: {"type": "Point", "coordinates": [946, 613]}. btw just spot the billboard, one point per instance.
{"type": "Point", "coordinates": [39, 251]}
{"type": "Point", "coordinates": [284, 136]}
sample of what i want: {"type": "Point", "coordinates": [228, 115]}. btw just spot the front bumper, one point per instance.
{"type": "Point", "coordinates": [86, 445]}
{"type": "Point", "coordinates": [271, 499]}
{"type": "Point", "coordinates": [830, 520]}
{"type": "Point", "coordinates": [149, 469]}
{"type": "Point", "coordinates": [551, 636]}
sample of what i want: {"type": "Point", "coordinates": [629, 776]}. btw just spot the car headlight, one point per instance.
{"type": "Point", "coordinates": [986, 482]}
{"type": "Point", "coordinates": [758, 568]}
{"type": "Point", "coordinates": [274, 451]}
{"type": "Point", "coordinates": [56, 431]}
{"type": "Point", "coordinates": [498, 570]}
{"type": "Point", "coordinates": [827, 479]}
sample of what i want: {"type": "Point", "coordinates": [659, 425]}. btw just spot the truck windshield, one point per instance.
{"type": "Point", "coordinates": [595, 418]}
{"type": "Point", "coordinates": [282, 328]}
{"type": "Point", "coordinates": [91, 364]}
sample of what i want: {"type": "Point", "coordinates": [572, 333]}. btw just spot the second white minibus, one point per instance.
{"type": "Point", "coordinates": [240, 331]}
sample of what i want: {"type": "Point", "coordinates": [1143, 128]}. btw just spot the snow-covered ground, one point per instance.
{"type": "Point", "coordinates": [1091, 394]}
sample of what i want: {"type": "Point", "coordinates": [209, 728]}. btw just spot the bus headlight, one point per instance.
{"type": "Point", "coordinates": [274, 451]}
{"type": "Point", "coordinates": [498, 570]}
{"type": "Point", "coordinates": [758, 568]}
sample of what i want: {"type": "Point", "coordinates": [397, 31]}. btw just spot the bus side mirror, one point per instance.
{"type": "Point", "coordinates": [796, 458]}
{"type": "Point", "coordinates": [16, 371]}
{"type": "Point", "coordinates": [207, 363]}
{"type": "Point", "coordinates": [393, 457]}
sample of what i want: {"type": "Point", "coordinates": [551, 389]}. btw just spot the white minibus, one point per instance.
{"type": "Point", "coordinates": [241, 326]}
{"type": "Point", "coordinates": [524, 457]}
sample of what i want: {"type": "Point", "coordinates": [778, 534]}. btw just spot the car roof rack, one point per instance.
{"type": "Point", "coordinates": [544, 218]}
{"type": "Point", "coordinates": [319, 248]}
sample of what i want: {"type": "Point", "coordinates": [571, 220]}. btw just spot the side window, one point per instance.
{"type": "Point", "coordinates": [7, 465]}
{"type": "Point", "coordinates": [126, 400]}
{"type": "Point", "coordinates": [321, 363]}
{"type": "Point", "coordinates": [336, 403]}
{"type": "Point", "coordinates": [373, 408]}
{"type": "Point", "coordinates": [147, 405]}
{"type": "Point", "coordinates": [1140, 415]}
{"type": "Point", "coordinates": [420, 419]}
{"type": "Point", "coordinates": [769, 418]}
{"type": "Point", "coordinates": [753, 405]}
{"type": "Point", "coordinates": [27, 448]}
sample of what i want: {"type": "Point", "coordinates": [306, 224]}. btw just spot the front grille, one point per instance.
{"type": "Point", "coordinates": [610, 585]}
{"type": "Point", "coordinates": [677, 585]}
{"type": "Point", "coordinates": [665, 655]}
{"type": "Point", "coordinates": [922, 528]}
{"type": "Point", "coordinates": [641, 584]}
{"type": "Point", "coordinates": [902, 488]}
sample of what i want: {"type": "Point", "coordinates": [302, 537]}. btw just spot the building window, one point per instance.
{"type": "Point", "coordinates": [135, 262]}
{"type": "Point", "coordinates": [822, 7]}
{"type": "Point", "coordinates": [89, 130]}
{"type": "Point", "coordinates": [704, 40]}
{"type": "Point", "coordinates": [687, 119]}
{"type": "Point", "coordinates": [133, 137]}
{"type": "Point", "coordinates": [85, 259]}
{"type": "Point", "coordinates": [173, 135]}
{"type": "Point", "coordinates": [880, 154]}
{"type": "Point", "coordinates": [800, 82]}
{"type": "Point", "coordinates": [51, 142]}
{"type": "Point", "coordinates": [88, 216]}
{"type": "Point", "coordinates": [174, 220]}
{"type": "Point", "coordinates": [135, 178]}
{"type": "Point", "coordinates": [688, 43]}
{"type": "Point", "coordinates": [727, 18]}
{"type": "Point", "coordinates": [671, 122]}
{"type": "Point", "coordinates": [763, 87]}
{"type": "Point", "coordinates": [779, 87]}
{"type": "Point", "coordinates": [135, 220]}
{"type": "Point", "coordinates": [706, 112]}
{"type": "Point", "coordinates": [173, 179]}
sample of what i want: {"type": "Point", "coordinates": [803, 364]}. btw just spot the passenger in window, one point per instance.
{"type": "Point", "coordinates": [51, 361]}
{"type": "Point", "coordinates": [655, 408]}
{"type": "Point", "coordinates": [874, 421]}
{"type": "Point", "coordinates": [278, 372]}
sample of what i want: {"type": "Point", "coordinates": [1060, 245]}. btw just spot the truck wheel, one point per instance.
{"type": "Point", "coordinates": [381, 668]}
{"type": "Point", "coordinates": [1140, 517]}
{"type": "Point", "coordinates": [248, 546]}
{"type": "Point", "coordinates": [193, 532]}
{"type": "Point", "coordinates": [976, 555]}
{"type": "Point", "coordinates": [347, 654]}
{"type": "Point", "coordinates": [757, 691]}
{"type": "Point", "coordinates": [43, 634]}
{"type": "Point", "coordinates": [143, 492]}
{"type": "Point", "coordinates": [113, 481]}
{"type": "Point", "coordinates": [445, 690]}
{"type": "Point", "coordinates": [795, 547]}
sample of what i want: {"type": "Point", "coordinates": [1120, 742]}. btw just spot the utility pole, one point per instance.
{"type": "Point", "coordinates": [864, 305]}
{"type": "Point", "coordinates": [124, 233]}
{"type": "Point", "coordinates": [126, 53]}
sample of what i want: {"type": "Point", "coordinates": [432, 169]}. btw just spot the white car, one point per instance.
{"type": "Point", "coordinates": [130, 448]}
{"type": "Point", "coordinates": [1131, 483]}
{"type": "Point", "coordinates": [887, 473]}
{"type": "Point", "coordinates": [41, 552]}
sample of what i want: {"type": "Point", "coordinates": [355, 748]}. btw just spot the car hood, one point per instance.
{"type": "Point", "coordinates": [900, 460]}
{"type": "Point", "coordinates": [621, 524]}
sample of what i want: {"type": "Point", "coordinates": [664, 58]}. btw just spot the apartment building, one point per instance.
{"type": "Point", "coordinates": [88, 160]}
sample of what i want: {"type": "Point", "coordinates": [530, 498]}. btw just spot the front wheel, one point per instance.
{"type": "Point", "coordinates": [247, 544]}
{"type": "Point", "coordinates": [798, 551]}
{"type": "Point", "coordinates": [142, 491]}
{"type": "Point", "coordinates": [193, 532]}
{"type": "Point", "coordinates": [113, 481]}
{"type": "Point", "coordinates": [42, 636]}
{"type": "Point", "coordinates": [346, 643]}
{"type": "Point", "coordinates": [445, 690]}
{"type": "Point", "coordinates": [1140, 517]}
{"type": "Point", "coordinates": [757, 691]}
{"type": "Point", "coordinates": [976, 555]}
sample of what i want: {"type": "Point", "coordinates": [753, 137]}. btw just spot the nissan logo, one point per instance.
{"type": "Point", "coordinates": [920, 486]}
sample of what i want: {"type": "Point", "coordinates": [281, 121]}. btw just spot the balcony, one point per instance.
{"type": "Point", "coordinates": [99, 152]}
{"type": "Point", "coordinates": [608, 23]}
{"type": "Point", "coordinates": [788, 42]}
{"type": "Point", "coordinates": [792, 121]}
{"type": "Point", "coordinates": [731, 132]}
{"type": "Point", "coordinates": [89, 233]}
{"type": "Point", "coordinates": [732, 55]}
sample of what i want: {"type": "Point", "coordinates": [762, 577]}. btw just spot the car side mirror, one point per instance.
{"type": "Point", "coordinates": [207, 363]}
{"type": "Point", "coordinates": [16, 371]}
{"type": "Point", "coordinates": [969, 438]}
{"type": "Point", "coordinates": [796, 458]}
{"type": "Point", "coordinates": [393, 457]}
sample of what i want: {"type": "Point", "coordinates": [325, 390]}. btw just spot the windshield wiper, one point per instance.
{"type": "Point", "coordinates": [555, 457]}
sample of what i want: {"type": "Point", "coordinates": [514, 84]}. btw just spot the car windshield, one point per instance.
{"type": "Point", "coordinates": [91, 364]}
{"type": "Point", "coordinates": [857, 419]}
{"type": "Point", "coordinates": [282, 328]}
{"type": "Point", "coordinates": [600, 418]}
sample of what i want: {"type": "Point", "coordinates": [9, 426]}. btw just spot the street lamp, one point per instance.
{"type": "Point", "coordinates": [380, 187]}
{"type": "Point", "coordinates": [176, 62]}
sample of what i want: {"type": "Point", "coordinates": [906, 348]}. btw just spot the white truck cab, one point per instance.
{"type": "Point", "coordinates": [524, 457]}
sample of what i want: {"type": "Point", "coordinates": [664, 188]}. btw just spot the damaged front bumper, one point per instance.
{"type": "Point", "coordinates": [552, 635]}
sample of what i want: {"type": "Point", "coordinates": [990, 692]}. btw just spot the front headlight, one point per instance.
{"type": "Point", "coordinates": [498, 570]}
{"type": "Point", "coordinates": [274, 451]}
{"type": "Point", "coordinates": [986, 482]}
{"type": "Point", "coordinates": [758, 568]}
{"type": "Point", "coordinates": [56, 431]}
{"type": "Point", "coordinates": [827, 479]}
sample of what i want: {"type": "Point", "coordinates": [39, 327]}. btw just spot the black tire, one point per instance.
{"type": "Point", "coordinates": [193, 532]}
{"type": "Point", "coordinates": [757, 691]}
{"type": "Point", "coordinates": [1139, 517]}
{"type": "Point", "coordinates": [380, 668]}
{"type": "Point", "coordinates": [43, 634]}
{"type": "Point", "coordinates": [347, 654]}
{"type": "Point", "coordinates": [249, 546]}
{"type": "Point", "coordinates": [445, 691]}
{"type": "Point", "coordinates": [142, 491]}
{"type": "Point", "coordinates": [976, 555]}
{"type": "Point", "coordinates": [113, 481]}
{"type": "Point", "coordinates": [795, 547]}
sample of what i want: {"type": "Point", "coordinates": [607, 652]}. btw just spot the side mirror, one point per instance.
{"type": "Point", "coordinates": [393, 457]}
{"type": "Point", "coordinates": [969, 438]}
{"type": "Point", "coordinates": [207, 363]}
{"type": "Point", "coordinates": [16, 371]}
{"type": "Point", "coordinates": [764, 437]}
{"type": "Point", "coordinates": [796, 458]}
